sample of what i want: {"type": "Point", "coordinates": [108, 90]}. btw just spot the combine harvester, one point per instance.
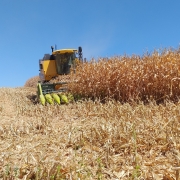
{"type": "Point", "coordinates": [59, 62]}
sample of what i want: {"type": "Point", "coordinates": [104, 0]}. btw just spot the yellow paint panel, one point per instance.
{"type": "Point", "coordinates": [49, 67]}
{"type": "Point", "coordinates": [62, 51]}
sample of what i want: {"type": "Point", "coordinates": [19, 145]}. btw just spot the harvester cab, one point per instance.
{"type": "Point", "coordinates": [59, 62]}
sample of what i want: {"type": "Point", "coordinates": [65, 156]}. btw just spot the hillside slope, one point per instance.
{"type": "Point", "coordinates": [87, 139]}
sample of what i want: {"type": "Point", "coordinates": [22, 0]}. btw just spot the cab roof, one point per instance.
{"type": "Point", "coordinates": [62, 51]}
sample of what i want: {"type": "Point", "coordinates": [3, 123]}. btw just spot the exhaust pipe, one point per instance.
{"type": "Point", "coordinates": [52, 48]}
{"type": "Point", "coordinates": [80, 53]}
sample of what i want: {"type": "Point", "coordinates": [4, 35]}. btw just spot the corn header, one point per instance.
{"type": "Point", "coordinates": [58, 63]}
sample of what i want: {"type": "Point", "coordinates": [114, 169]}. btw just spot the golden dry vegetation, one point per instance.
{"type": "Point", "coordinates": [87, 140]}
{"type": "Point", "coordinates": [151, 76]}
{"type": "Point", "coordinates": [121, 138]}
{"type": "Point", "coordinates": [32, 82]}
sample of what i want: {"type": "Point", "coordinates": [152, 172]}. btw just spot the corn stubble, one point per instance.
{"type": "Point", "coordinates": [89, 139]}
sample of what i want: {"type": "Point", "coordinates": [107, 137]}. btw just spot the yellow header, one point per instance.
{"type": "Point", "coordinates": [62, 51]}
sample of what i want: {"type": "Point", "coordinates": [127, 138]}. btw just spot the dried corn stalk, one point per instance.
{"type": "Point", "coordinates": [155, 76]}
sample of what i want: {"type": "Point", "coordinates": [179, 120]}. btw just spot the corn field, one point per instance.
{"type": "Point", "coordinates": [152, 76]}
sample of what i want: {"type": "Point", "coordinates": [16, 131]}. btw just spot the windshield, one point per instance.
{"type": "Point", "coordinates": [64, 62]}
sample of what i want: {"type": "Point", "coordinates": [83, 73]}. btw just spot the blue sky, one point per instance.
{"type": "Point", "coordinates": [103, 28]}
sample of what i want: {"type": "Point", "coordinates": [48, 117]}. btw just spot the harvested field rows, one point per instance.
{"type": "Point", "coordinates": [87, 140]}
